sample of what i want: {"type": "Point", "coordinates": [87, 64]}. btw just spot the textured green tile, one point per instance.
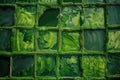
{"type": "Point", "coordinates": [70, 16]}
{"type": "Point", "coordinates": [47, 40]}
{"type": "Point", "coordinates": [48, 2]}
{"type": "Point", "coordinates": [113, 40]}
{"type": "Point", "coordinates": [93, 18]}
{"type": "Point", "coordinates": [70, 41]}
{"type": "Point", "coordinates": [69, 66]}
{"type": "Point", "coordinates": [46, 65]}
{"type": "Point", "coordinates": [25, 40]}
{"type": "Point", "coordinates": [93, 66]}
{"type": "Point", "coordinates": [26, 16]}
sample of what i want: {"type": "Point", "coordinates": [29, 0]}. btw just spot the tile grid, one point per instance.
{"type": "Point", "coordinates": [59, 50]}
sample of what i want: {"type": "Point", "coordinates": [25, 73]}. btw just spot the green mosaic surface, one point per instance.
{"type": "Point", "coordinates": [59, 40]}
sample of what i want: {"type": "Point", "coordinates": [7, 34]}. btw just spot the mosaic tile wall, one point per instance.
{"type": "Point", "coordinates": [59, 40]}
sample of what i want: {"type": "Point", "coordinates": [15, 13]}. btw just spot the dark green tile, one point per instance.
{"type": "Point", "coordinates": [23, 65]}
{"type": "Point", "coordinates": [94, 40]}
{"type": "Point", "coordinates": [4, 66]}
{"type": "Point", "coordinates": [113, 64]}
{"type": "Point", "coordinates": [6, 16]}
{"type": "Point", "coordinates": [7, 1]}
{"type": "Point", "coordinates": [26, 1]}
{"type": "Point", "coordinates": [113, 15]}
{"type": "Point", "coordinates": [49, 18]}
{"type": "Point", "coordinates": [72, 1]}
{"type": "Point", "coordinates": [93, 1]}
{"type": "Point", "coordinates": [5, 40]}
{"type": "Point", "coordinates": [113, 1]}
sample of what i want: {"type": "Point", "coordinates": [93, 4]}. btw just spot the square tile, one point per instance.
{"type": "Point", "coordinates": [46, 65]}
{"type": "Point", "coordinates": [25, 40]}
{"type": "Point", "coordinates": [69, 66]}
{"type": "Point", "coordinates": [49, 2]}
{"type": "Point", "coordinates": [49, 17]}
{"type": "Point", "coordinates": [47, 40]}
{"type": "Point", "coordinates": [26, 1]}
{"type": "Point", "coordinates": [70, 41]}
{"type": "Point", "coordinates": [94, 18]}
{"type": "Point", "coordinates": [7, 1]}
{"type": "Point", "coordinates": [23, 65]}
{"type": "Point", "coordinates": [94, 40]}
{"type": "Point", "coordinates": [113, 1]}
{"type": "Point", "coordinates": [26, 16]}
{"type": "Point", "coordinates": [93, 1]}
{"type": "Point", "coordinates": [113, 40]}
{"type": "Point", "coordinates": [72, 1]}
{"type": "Point", "coordinates": [70, 17]}
{"type": "Point", "coordinates": [5, 40]}
{"type": "Point", "coordinates": [6, 16]}
{"type": "Point", "coordinates": [113, 64]}
{"type": "Point", "coordinates": [4, 66]}
{"type": "Point", "coordinates": [93, 66]}
{"type": "Point", "coordinates": [113, 15]}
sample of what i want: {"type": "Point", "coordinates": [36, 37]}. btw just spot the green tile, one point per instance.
{"type": "Point", "coordinates": [26, 1]}
{"type": "Point", "coordinates": [4, 66]}
{"type": "Point", "coordinates": [113, 64]}
{"type": "Point", "coordinates": [26, 16]}
{"type": "Point", "coordinates": [5, 40]}
{"type": "Point", "coordinates": [69, 66]}
{"type": "Point", "coordinates": [70, 41]}
{"type": "Point", "coordinates": [93, 18]}
{"type": "Point", "coordinates": [23, 65]}
{"type": "Point", "coordinates": [46, 65]}
{"type": "Point", "coordinates": [48, 2]}
{"type": "Point", "coordinates": [70, 17]}
{"type": "Point", "coordinates": [93, 66]}
{"type": "Point", "coordinates": [94, 40]}
{"type": "Point", "coordinates": [93, 1]}
{"type": "Point", "coordinates": [113, 1]}
{"type": "Point", "coordinates": [49, 17]}
{"type": "Point", "coordinates": [25, 40]}
{"type": "Point", "coordinates": [7, 1]}
{"type": "Point", "coordinates": [72, 1]}
{"type": "Point", "coordinates": [113, 40]}
{"type": "Point", "coordinates": [6, 16]}
{"type": "Point", "coordinates": [113, 15]}
{"type": "Point", "coordinates": [47, 40]}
